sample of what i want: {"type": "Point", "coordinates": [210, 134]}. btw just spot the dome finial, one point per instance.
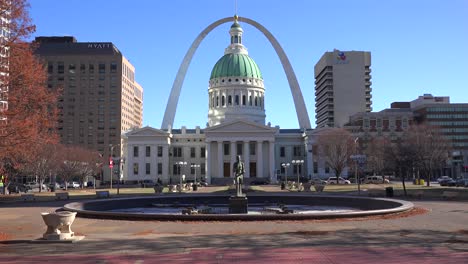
{"type": "Point", "coordinates": [236, 18]}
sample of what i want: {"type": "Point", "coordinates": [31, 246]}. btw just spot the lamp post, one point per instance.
{"type": "Point", "coordinates": [285, 166]}
{"type": "Point", "coordinates": [195, 166]}
{"type": "Point", "coordinates": [298, 163]}
{"type": "Point", "coordinates": [111, 157]}
{"type": "Point", "coordinates": [356, 167]}
{"type": "Point", "coordinates": [181, 164]}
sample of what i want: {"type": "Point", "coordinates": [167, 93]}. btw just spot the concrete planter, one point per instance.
{"type": "Point", "coordinates": [59, 225]}
{"type": "Point", "coordinates": [319, 187]}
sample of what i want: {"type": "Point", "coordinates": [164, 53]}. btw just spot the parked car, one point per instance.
{"type": "Point", "coordinates": [443, 178]}
{"type": "Point", "coordinates": [376, 180]}
{"type": "Point", "coordinates": [332, 180]}
{"type": "Point", "coordinates": [74, 184]}
{"type": "Point", "coordinates": [319, 181]}
{"type": "Point", "coordinates": [14, 187]}
{"type": "Point", "coordinates": [89, 184]}
{"type": "Point", "coordinates": [147, 183]}
{"type": "Point", "coordinates": [462, 183]}
{"type": "Point", "coordinates": [448, 182]}
{"type": "Point", "coordinates": [35, 185]}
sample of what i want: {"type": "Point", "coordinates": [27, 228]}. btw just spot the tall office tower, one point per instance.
{"type": "Point", "coordinates": [342, 87]}
{"type": "Point", "coordinates": [4, 55]}
{"type": "Point", "coordinates": [101, 98]}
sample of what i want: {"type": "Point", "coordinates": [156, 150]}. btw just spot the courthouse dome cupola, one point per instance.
{"type": "Point", "coordinates": [236, 88]}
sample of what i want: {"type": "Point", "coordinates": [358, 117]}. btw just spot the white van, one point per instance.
{"type": "Point", "coordinates": [376, 180]}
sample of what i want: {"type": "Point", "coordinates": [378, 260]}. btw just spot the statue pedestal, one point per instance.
{"type": "Point", "coordinates": [238, 205]}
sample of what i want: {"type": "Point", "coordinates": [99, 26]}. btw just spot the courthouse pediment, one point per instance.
{"type": "Point", "coordinates": [240, 126]}
{"type": "Point", "coordinates": [148, 131]}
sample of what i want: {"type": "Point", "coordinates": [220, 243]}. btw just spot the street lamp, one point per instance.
{"type": "Point", "coordinates": [298, 163]}
{"type": "Point", "coordinates": [285, 166]}
{"type": "Point", "coordinates": [112, 155]}
{"type": "Point", "coordinates": [181, 164]}
{"type": "Point", "coordinates": [195, 166]}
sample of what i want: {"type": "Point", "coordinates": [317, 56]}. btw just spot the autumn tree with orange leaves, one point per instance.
{"type": "Point", "coordinates": [29, 121]}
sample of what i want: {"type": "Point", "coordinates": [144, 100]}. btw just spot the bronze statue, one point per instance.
{"type": "Point", "coordinates": [239, 171]}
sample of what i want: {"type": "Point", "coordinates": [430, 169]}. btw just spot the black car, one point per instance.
{"type": "Point", "coordinates": [14, 187]}
{"type": "Point", "coordinates": [462, 183]}
{"type": "Point", "coordinates": [447, 182]}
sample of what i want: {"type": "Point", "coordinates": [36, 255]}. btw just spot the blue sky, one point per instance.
{"type": "Point", "coordinates": [417, 46]}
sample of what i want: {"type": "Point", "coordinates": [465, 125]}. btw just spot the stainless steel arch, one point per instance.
{"type": "Point", "coordinates": [171, 107]}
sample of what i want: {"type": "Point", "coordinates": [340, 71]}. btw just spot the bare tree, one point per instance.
{"type": "Point", "coordinates": [43, 161]}
{"type": "Point", "coordinates": [401, 157]}
{"type": "Point", "coordinates": [336, 145]}
{"type": "Point", "coordinates": [375, 152]}
{"type": "Point", "coordinates": [431, 148]}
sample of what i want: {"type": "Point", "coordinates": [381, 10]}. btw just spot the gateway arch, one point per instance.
{"type": "Point", "coordinates": [171, 107]}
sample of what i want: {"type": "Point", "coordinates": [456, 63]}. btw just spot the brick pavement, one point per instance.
{"type": "Point", "coordinates": [438, 236]}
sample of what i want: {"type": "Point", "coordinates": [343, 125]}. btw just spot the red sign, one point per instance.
{"type": "Point", "coordinates": [111, 163]}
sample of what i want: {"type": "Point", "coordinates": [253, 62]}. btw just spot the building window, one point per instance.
{"type": "Point", "coordinates": [237, 99]}
{"type": "Point", "coordinates": [252, 148]}
{"type": "Point", "coordinates": [297, 151]}
{"type": "Point", "coordinates": [250, 100]}
{"type": "Point", "coordinates": [50, 67]}
{"type": "Point", "coordinates": [61, 67]}
{"type": "Point", "coordinates": [315, 167]}
{"type": "Point", "coordinates": [202, 152]}
{"type": "Point", "coordinates": [282, 152]}
{"type": "Point", "coordinates": [102, 68]}
{"type": "Point", "coordinates": [217, 101]}
{"type": "Point", "coordinates": [159, 168]}
{"type": "Point", "coordinates": [202, 169]}
{"type": "Point", "coordinates": [148, 151]}
{"type": "Point", "coordinates": [239, 148]}
{"type": "Point", "coordinates": [243, 100]}
{"type": "Point", "coordinates": [135, 168]}
{"type": "Point", "coordinates": [226, 149]}
{"type": "Point", "coordinates": [255, 100]}
{"type": "Point", "coordinates": [160, 151]}
{"type": "Point", "coordinates": [192, 169]}
{"type": "Point", "coordinates": [82, 68]}
{"type": "Point", "coordinates": [91, 68]}
{"type": "Point", "coordinates": [229, 100]}
{"type": "Point", "coordinates": [177, 152]}
{"type": "Point", "coordinates": [71, 68]}
{"type": "Point", "coordinates": [176, 169]}
{"type": "Point", "coordinates": [113, 67]}
{"type": "Point", "coordinates": [192, 152]}
{"type": "Point", "coordinates": [135, 151]}
{"type": "Point", "coordinates": [148, 168]}
{"type": "Point", "coordinates": [327, 169]}
{"type": "Point", "coordinates": [222, 100]}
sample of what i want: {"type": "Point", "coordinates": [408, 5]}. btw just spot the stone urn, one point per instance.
{"type": "Point", "coordinates": [319, 187]}
{"type": "Point", "coordinates": [59, 225]}
{"type": "Point", "coordinates": [158, 189]}
{"type": "Point", "coordinates": [307, 186]}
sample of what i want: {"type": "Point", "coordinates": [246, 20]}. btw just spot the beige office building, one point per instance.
{"type": "Point", "coordinates": [342, 87]}
{"type": "Point", "coordinates": [101, 98]}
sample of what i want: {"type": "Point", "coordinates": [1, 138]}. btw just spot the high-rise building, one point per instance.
{"type": "Point", "coordinates": [4, 55]}
{"type": "Point", "coordinates": [101, 98]}
{"type": "Point", "coordinates": [342, 87]}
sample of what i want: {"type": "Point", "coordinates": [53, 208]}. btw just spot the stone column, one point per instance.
{"type": "Point", "coordinates": [309, 160]}
{"type": "Point", "coordinates": [260, 159]}
{"type": "Point", "coordinates": [233, 158]}
{"type": "Point", "coordinates": [220, 159]}
{"type": "Point", "coordinates": [165, 164]}
{"type": "Point", "coordinates": [271, 164]}
{"type": "Point", "coordinates": [208, 162]}
{"type": "Point", "coordinates": [246, 159]}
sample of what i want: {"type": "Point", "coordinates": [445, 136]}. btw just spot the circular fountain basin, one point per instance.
{"type": "Point", "coordinates": [170, 207]}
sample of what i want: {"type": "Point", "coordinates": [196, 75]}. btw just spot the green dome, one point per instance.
{"type": "Point", "coordinates": [238, 65]}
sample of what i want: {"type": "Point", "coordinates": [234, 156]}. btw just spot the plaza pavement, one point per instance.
{"type": "Point", "coordinates": [436, 232]}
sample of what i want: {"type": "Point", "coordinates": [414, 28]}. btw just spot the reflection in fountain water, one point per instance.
{"type": "Point", "coordinates": [224, 209]}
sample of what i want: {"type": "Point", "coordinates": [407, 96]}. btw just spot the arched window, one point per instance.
{"type": "Point", "coordinates": [243, 100]}
{"type": "Point", "coordinates": [212, 101]}
{"type": "Point", "coordinates": [255, 100]}
{"type": "Point", "coordinates": [222, 100]}
{"type": "Point", "coordinates": [237, 99]}
{"type": "Point", "coordinates": [217, 101]}
{"type": "Point", "coordinates": [236, 40]}
{"type": "Point", "coordinates": [229, 100]}
{"type": "Point", "coordinates": [250, 100]}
